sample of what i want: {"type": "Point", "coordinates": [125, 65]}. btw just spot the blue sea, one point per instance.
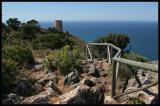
{"type": "Point", "coordinates": [143, 35]}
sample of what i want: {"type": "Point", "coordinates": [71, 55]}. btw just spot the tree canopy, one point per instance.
{"type": "Point", "coordinates": [13, 23]}
{"type": "Point", "coordinates": [30, 29]}
{"type": "Point", "coordinates": [117, 39]}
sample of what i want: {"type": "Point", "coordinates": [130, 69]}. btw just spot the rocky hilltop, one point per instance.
{"type": "Point", "coordinates": [90, 85]}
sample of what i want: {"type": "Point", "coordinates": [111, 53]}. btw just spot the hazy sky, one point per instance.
{"type": "Point", "coordinates": [81, 11]}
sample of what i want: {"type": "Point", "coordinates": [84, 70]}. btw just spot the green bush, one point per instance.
{"type": "Point", "coordinates": [63, 60]}
{"type": "Point", "coordinates": [117, 39]}
{"type": "Point", "coordinates": [13, 23]}
{"type": "Point", "coordinates": [9, 68]}
{"type": "Point", "coordinates": [23, 56]}
{"type": "Point", "coordinates": [50, 41]}
{"type": "Point", "coordinates": [134, 56]}
{"type": "Point", "coordinates": [29, 31]}
{"type": "Point", "coordinates": [14, 58]}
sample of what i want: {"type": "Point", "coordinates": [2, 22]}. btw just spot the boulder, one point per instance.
{"type": "Point", "coordinates": [110, 100]}
{"type": "Point", "coordinates": [38, 88]}
{"type": "Point", "coordinates": [83, 94]}
{"type": "Point", "coordinates": [12, 99]}
{"type": "Point", "coordinates": [103, 74]}
{"type": "Point", "coordinates": [47, 78]}
{"type": "Point", "coordinates": [93, 71]}
{"type": "Point", "coordinates": [24, 87]}
{"type": "Point", "coordinates": [42, 98]}
{"type": "Point", "coordinates": [38, 60]}
{"type": "Point", "coordinates": [89, 83]}
{"type": "Point", "coordinates": [148, 96]}
{"type": "Point", "coordinates": [52, 88]}
{"type": "Point", "coordinates": [99, 80]}
{"type": "Point", "coordinates": [38, 67]}
{"type": "Point", "coordinates": [72, 78]}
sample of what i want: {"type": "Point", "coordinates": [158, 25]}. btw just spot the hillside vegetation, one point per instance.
{"type": "Point", "coordinates": [45, 65]}
{"type": "Point", "coordinates": [23, 42]}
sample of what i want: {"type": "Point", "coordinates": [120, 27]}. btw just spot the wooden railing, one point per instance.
{"type": "Point", "coordinates": [115, 64]}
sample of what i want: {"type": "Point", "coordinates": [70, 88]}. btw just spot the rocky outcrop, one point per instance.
{"type": "Point", "coordinates": [38, 67]}
{"type": "Point", "coordinates": [12, 99]}
{"type": "Point", "coordinates": [51, 86]}
{"type": "Point", "coordinates": [72, 78]}
{"type": "Point", "coordinates": [148, 96]}
{"type": "Point", "coordinates": [96, 68]}
{"type": "Point", "coordinates": [86, 92]}
{"type": "Point", "coordinates": [42, 98]}
{"type": "Point", "coordinates": [110, 100]}
{"type": "Point", "coordinates": [93, 71]}
{"type": "Point", "coordinates": [38, 60]}
{"type": "Point", "coordinates": [24, 87]}
{"type": "Point", "coordinates": [38, 64]}
{"type": "Point", "coordinates": [99, 80]}
{"type": "Point", "coordinates": [89, 83]}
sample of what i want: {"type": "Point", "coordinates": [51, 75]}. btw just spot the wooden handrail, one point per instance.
{"type": "Point", "coordinates": [117, 59]}
{"type": "Point", "coordinates": [136, 90]}
{"type": "Point", "coordinates": [150, 67]}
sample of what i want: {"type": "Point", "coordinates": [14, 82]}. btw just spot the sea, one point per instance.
{"type": "Point", "coordinates": [143, 35]}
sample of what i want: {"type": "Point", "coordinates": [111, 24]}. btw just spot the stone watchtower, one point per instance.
{"type": "Point", "coordinates": [58, 25]}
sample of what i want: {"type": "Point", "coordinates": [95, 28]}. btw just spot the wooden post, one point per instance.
{"type": "Point", "coordinates": [86, 53]}
{"type": "Point", "coordinates": [109, 57]}
{"type": "Point", "coordinates": [117, 66]}
{"type": "Point", "coordinates": [107, 54]}
{"type": "Point", "coordinates": [89, 52]}
{"type": "Point", "coordinates": [111, 53]}
{"type": "Point", "coordinates": [113, 78]}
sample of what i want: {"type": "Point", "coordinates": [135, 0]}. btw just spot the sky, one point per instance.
{"type": "Point", "coordinates": [81, 11]}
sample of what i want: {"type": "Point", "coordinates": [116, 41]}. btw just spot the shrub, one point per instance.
{"type": "Point", "coordinates": [23, 56]}
{"type": "Point", "coordinates": [63, 60]}
{"type": "Point", "coordinates": [13, 23]}
{"type": "Point", "coordinates": [14, 58]}
{"type": "Point", "coordinates": [9, 69]}
{"type": "Point", "coordinates": [134, 56]}
{"type": "Point", "coordinates": [50, 41]}
{"type": "Point", "coordinates": [117, 39]}
{"type": "Point", "coordinates": [125, 70]}
{"type": "Point", "coordinates": [29, 31]}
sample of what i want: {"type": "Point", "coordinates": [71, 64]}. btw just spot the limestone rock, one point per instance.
{"type": "Point", "coordinates": [89, 83]}
{"type": "Point", "coordinates": [110, 100]}
{"type": "Point", "coordinates": [50, 86]}
{"type": "Point", "coordinates": [38, 67]}
{"type": "Point", "coordinates": [83, 95]}
{"type": "Point", "coordinates": [12, 99]}
{"type": "Point", "coordinates": [24, 87]}
{"type": "Point", "coordinates": [72, 78]}
{"type": "Point", "coordinates": [93, 71]}
{"type": "Point", "coordinates": [42, 98]}
{"type": "Point", "coordinates": [38, 60]}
